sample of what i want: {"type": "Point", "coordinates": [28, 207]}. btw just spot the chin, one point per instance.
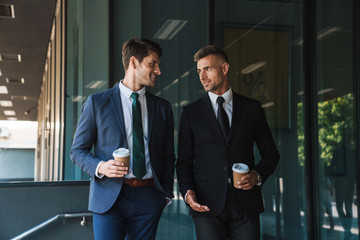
{"type": "Point", "coordinates": [151, 84]}
{"type": "Point", "coordinates": [208, 89]}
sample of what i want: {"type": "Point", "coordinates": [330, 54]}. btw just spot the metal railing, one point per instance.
{"type": "Point", "coordinates": [52, 220]}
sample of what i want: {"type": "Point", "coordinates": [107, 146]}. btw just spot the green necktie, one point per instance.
{"type": "Point", "coordinates": [138, 139]}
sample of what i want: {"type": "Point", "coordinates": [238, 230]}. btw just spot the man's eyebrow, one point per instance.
{"type": "Point", "coordinates": [199, 69]}
{"type": "Point", "coordinates": [205, 67]}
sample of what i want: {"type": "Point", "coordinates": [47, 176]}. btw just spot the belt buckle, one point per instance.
{"type": "Point", "coordinates": [134, 182]}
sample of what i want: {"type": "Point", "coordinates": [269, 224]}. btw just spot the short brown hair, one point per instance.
{"type": "Point", "coordinates": [139, 48]}
{"type": "Point", "coordinates": [210, 50]}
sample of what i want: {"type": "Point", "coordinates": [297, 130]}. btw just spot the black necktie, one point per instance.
{"type": "Point", "coordinates": [222, 117]}
{"type": "Point", "coordinates": [138, 139]}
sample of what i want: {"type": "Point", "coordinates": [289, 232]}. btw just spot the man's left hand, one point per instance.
{"type": "Point", "coordinates": [248, 181]}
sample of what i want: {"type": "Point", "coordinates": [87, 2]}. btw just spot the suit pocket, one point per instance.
{"type": "Point", "coordinates": [200, 177]}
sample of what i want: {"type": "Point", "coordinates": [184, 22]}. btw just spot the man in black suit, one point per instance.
{"type": "Point", "coordinates": [217, 131]}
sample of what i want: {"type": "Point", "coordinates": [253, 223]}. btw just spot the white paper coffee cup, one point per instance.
{"type": "Point", "coordinates": [122, 155]}
{"type": "Point", "coordinates": [239, 170]}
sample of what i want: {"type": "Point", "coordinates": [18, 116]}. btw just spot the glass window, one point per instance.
{"type": "Point", "coordinates": [181, 28]}
{"type": "Point", "coordinates": [263, 40]}
{"type": "Point", "coordinates": [87, 66]}
{"type": "Point", "coordinates": [336, 161]}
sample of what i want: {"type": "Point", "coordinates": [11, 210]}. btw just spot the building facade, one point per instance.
{"type": "Point", "coordinates": [299, 58]}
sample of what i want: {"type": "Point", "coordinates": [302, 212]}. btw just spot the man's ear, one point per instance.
{"type": "Point", "coordinates": [133, 62]}
{"type": "Point", "coordinates": [225, 68]}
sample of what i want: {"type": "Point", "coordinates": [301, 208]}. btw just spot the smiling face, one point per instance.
{"type": "Point", "coordinates": [147, 71]}
{"type": "Point", "coordinates": [212, 72]}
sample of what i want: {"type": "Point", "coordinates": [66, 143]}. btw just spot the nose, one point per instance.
{"type": "Point", "coordinates": [202, 75]}
{"type": "Point", "coordinates": [157, 70]}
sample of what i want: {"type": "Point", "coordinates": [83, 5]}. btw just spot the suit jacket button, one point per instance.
{"type": "Point", "coordinates": [225, 168]}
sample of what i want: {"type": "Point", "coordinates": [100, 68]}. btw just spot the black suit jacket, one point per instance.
{"type": "Point", "coordinates": [205, 156]}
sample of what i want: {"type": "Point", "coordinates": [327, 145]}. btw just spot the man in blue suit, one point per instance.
{"type": "Point", "coordinates": [125, 202]}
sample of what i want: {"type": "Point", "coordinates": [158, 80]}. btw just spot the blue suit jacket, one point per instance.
{"type": "Point", "coordinates": [101, 125]}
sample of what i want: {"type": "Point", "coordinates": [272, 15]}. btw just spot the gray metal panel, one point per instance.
{"type": "Point", "coordinates": [24, 206]}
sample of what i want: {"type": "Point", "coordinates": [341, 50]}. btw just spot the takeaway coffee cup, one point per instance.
{"type": "Point", "coordinates": [239, 170]}
{"type": "Point", "coordinates": [122, 155]}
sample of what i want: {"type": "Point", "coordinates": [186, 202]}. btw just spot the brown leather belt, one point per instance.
{"type": "Point", "coordinates": [134, 182]}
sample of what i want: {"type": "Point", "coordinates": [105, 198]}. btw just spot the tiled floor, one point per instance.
{"type": "Point", "coordinates": [176, 224]}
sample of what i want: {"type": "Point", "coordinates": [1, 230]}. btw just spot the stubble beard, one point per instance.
{"type": "Point", "coordinates": [209, 88]}
{"type": "Point", "coordinates": [151, 82]}
{"type": "Point", "coordinates": [147, 81]}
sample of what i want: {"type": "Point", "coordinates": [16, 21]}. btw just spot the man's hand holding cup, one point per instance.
{"type": "Point", "coordinates": [242, 176]}
{"type": "Point", "coordinates": [117, 167]}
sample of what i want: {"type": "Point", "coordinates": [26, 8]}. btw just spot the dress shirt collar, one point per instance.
{"type": "Point", "coordinates": [227, 96]}
{"type": "Point", "coordinates": [127, 91]}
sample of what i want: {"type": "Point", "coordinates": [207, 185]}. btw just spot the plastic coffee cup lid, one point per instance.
{"type": "Point", "coordinates": [121, 152]}
{"type": "Point", "coordinates": [240, 168]}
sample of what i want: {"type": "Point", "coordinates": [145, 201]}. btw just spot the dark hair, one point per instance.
{"type": "Point", "coordinates": [210, 50]}
{"type": "Point", "coordinates": [139, 48]}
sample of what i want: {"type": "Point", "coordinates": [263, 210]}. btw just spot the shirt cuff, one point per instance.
{"type": "Point", "coordinates": [169, 202]}
{"type": "Point", "coordinates": [185, 196]}
{"type": "Point", "coordinates": [259, 179]}
{"type": "Point", "coordinates": [100, 176]}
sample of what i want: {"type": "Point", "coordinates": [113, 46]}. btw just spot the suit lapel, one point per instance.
{"type": "Point", "coordinates": [117, 105]}
{"type": "Point", "coordinates": [151, 112]}
{"type": "Point", "coordinates": [238, 107]}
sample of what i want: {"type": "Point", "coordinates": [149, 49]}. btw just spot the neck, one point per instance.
{"type": "Point", "coordinates": [221, 91]}
{"type": "Point", "coordinates": [130, 82]}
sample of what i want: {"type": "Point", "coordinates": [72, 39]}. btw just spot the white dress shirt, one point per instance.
{"type": "Point", "coordinates": [126, 102]}
{"type": "Point", "coordinates": [227, 105]}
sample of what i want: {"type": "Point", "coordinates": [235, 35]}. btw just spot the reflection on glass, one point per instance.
{"type": "Point", "coordinates": [87, 62]}
{"type": "Point", "coordinates": [336, 149]}
{"type": "Point", "coordinates": [265, 65]}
